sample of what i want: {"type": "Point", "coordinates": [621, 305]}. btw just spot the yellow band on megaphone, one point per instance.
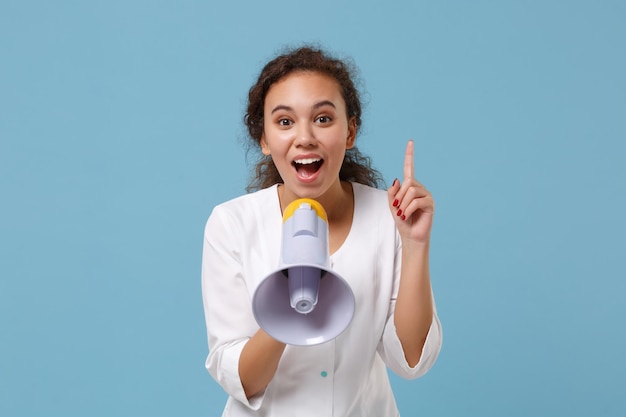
{"type": "Point", "coordinates": [295, 205]}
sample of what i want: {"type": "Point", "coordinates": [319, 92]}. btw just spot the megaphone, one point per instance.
{"type": "Point", "coordinates": [304, 302]}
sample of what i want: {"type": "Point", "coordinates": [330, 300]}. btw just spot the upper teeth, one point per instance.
{"type": "Point", "coordinates": [307, 160]}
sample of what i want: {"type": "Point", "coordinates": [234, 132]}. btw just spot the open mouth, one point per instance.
{"type": "Point", "coordinates": [307, 167]}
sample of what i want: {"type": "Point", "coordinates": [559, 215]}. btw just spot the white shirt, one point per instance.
{"type": "Point", "coordinates": [344, 377]}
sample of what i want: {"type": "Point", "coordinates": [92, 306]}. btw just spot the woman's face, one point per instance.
{"type": "Point", "coordinates": [307, 132]}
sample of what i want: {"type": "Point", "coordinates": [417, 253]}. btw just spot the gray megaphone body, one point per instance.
{"type": "Point", "coordinates": [304, 302]}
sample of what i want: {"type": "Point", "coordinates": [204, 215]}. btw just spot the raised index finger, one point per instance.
{"type": "Point", "coordinates": [408, 160]}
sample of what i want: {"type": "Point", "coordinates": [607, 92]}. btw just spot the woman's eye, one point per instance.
{"type": "Point", "coordinates": [324, 119]}
{"type": "Point", "coordinates": [284, 122]}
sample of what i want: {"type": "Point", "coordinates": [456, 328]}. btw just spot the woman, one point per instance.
{"type": "Point", "coordinates": [304, 113]}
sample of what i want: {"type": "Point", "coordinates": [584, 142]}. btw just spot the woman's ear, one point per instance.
{"type": "Point", "coordinates": [265, 149]}
{"type": "Point", "coordinates": [351, 139]}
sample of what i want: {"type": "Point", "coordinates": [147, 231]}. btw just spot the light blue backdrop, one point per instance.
{"type": "Point", "coordinates": [120, 129]}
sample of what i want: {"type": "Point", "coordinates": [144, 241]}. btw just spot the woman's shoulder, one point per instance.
{"type": "Point", "coordinates": [370, 196]}
{"type": "Point", "coordinates": [367, 188]}
{"type": "Point", "coordinates": [372, 214]}
{"type": "Point", "coordinates": [245, 201]}
{"type": "Point", "coordinates": [247, 206]}
{"type": "Point", "coordinates": [371, 203]}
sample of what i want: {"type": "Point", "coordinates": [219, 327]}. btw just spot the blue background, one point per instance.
{"type": "Point", "coordinates": [120, 129]}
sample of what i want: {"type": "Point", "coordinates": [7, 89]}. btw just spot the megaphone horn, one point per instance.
{"type": "Point", "coordinates": [304, 302]}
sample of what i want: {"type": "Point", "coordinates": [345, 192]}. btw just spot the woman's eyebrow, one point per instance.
{"type": "Point", "coordinates": [315, 106]}
{"type": "Point", "coordinates": [281, 107]}
{"type": "Point", "coordinates": [324, 103]}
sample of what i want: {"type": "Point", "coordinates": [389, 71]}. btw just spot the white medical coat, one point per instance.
{"type": "Point", "coordinates": [346, 377]}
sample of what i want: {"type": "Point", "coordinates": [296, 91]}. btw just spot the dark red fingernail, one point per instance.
{"type": "Point", "coordinates": [399, 213]}
{"type": "Point", "coordinates": [395, 181]}
{"type": "Point", "coordinates": [403, 217]}
{"type": "Point", "coordinates": [395, 202]}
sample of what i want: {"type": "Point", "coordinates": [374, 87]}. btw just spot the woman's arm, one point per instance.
{"type": "Point", "coordinates": [412, 207]}
{"type": "Point", "coordinates": [414, 305]}
{"type": "Point", "coordinates": [258, 362]}
{"type": "Point", "coordinates": [242, 358]}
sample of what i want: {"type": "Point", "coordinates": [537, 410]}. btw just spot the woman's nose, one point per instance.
{"type": "Point", "coordinates": [306, 136]}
